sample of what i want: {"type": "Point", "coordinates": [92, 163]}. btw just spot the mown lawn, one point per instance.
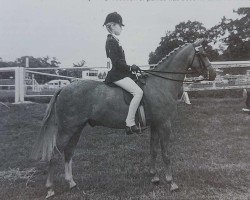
{"type": "Point", "coordinates": [210, 156]}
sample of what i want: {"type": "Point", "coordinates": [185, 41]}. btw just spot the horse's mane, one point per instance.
{"type": "Point", "coordinates": [170, 54]}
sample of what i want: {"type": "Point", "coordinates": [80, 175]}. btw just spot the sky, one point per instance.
{"type": "Point", "coordinates": [71, 30]}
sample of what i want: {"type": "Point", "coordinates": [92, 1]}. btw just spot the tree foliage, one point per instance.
{"type": "Point", "coordinates": [185, 32]}
{"type": "Point", "coordinates": [40, 62]}
{"type": "Point", "coordinates": [228, 40]}
{"type": "Point", "coordinates": [234, 35]}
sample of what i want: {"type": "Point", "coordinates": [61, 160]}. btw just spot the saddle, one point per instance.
{"type": "Point", "coordinates": [140, 117]}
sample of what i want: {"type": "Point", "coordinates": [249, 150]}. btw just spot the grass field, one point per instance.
{"type": "Point", "coordinates": [210, 156]}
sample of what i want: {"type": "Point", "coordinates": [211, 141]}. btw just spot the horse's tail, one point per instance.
{"type": "Point", "coordinates": [46, 142]}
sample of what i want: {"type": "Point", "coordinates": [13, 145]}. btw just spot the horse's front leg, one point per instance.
{"type": "Point", "coordinates": [164, 132]}
{"type": "Point", "coordinates": [154, 142]}
{"type": "Point", "coordinates": [68, 174]}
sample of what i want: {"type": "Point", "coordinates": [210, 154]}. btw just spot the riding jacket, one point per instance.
{"type": "Point", "coordinates": [119, 69]}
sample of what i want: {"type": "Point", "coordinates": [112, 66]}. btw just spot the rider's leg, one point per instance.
{"type": "Point", "coordinates": [129, 85]}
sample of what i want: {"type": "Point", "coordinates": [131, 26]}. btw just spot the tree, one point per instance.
{"type": "Point", "coordinates": [40, 62]}
{"type": "Point", "coordinates": [231, 38]}
{"type": "Point", "coordinates": [234, 36]}
{"type": "Point", "coordinates": [185, 32]}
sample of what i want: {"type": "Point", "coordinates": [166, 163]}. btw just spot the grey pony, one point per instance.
{"type": "Point", "coordinates": [82, 102]}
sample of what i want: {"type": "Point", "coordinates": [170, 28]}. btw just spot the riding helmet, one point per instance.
{"type": "Point", "coordinates": [113, 17]}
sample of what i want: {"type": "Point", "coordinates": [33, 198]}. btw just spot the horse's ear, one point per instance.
{"type": "Point", "coordinates": [199, 42]}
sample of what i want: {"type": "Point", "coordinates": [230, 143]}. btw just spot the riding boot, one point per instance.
{"type": "Point", "coordinates": [132, 129]}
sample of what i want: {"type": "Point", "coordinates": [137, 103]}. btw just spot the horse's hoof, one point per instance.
{"type": "Point", "coordinates": [50, 194]}
{"type": "Point", "coordinates": [155, 180]}
{"type": "Point", "coordinates": [174, 187]}
{"type": "Point", "coordinates": [72, 185]}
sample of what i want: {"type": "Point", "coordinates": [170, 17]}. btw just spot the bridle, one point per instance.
{"type": "Point", "coordinates": [202, 66]}
{"type": "Point", "coordinates": [199, 55]}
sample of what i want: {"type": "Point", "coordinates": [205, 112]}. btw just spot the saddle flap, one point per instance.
{"type": "Point", "coordinates": [140, 114]}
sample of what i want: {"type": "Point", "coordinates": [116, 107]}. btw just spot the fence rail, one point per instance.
{"type": "Point", "coordinates": [47, 74]}
{"type": "Point", "coordinates": [230, 64]}
{"type": "Point", "coordinates": [187, 89]}
{"type": "Point", "coordinates": [21, 87]}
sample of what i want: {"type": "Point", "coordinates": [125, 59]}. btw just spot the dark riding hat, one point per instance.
{"type": "Point", "coordinates": [113, 17]}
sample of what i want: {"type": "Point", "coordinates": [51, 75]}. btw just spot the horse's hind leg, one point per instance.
{"type": "Point", "coordinates": [66, 141]}
{"type": "Point", "coordinates": [164, 134]}
{"type": "Point", "coordinates": [51, 170]}
{"type": "Point", "coordinates": [68, 154]}
{"type": "Point", "coordinates": [49, 182]}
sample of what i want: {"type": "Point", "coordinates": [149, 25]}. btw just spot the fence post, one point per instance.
{"type": "Point", "coordinates": [21, 84]}
{"type": "Point", "coordinates": [33, 82]}
{"type": "Point", "coordinates": [17, 89]}
{"type": "Point", "coordinates": [27, 62]}
{"type": "Point", "coordinates": [214, 85]}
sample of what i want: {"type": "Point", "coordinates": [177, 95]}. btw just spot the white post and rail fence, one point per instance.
{"type": "Point", "coordinates": [21, 87]}
{"type": "Point", "coordinates": [19, 82]}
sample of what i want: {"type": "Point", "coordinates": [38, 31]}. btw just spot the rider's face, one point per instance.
{"type": "Point", "coordinates": [117, 29]}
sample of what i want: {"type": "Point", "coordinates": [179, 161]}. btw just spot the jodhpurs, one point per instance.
{"type": "Point", "coordinates": [129, 85]}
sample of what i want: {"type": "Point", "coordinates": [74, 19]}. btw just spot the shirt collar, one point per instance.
{"type": "Point", "coordinates": [115, 37]}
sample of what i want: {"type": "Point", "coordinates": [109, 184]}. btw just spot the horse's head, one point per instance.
{"type": "Point", "coordinates": [200, 63]}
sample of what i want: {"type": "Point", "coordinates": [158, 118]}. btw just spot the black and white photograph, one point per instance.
{"type": "Point", "coordinates": [125, 99]}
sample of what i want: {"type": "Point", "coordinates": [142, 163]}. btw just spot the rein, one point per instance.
{"type": "Point", "coordinates": [152, 72]}
{"type": "Point", "coordinates": [164, 72]}
{"type": "Point", "coordinates": [182, 81]}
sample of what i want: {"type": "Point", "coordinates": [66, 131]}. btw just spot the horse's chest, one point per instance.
{"type": "Point", "coordinates": [161, 107]}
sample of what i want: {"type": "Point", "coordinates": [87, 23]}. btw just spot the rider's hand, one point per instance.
{"type": "Point", "coordinates": [135, 68]}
